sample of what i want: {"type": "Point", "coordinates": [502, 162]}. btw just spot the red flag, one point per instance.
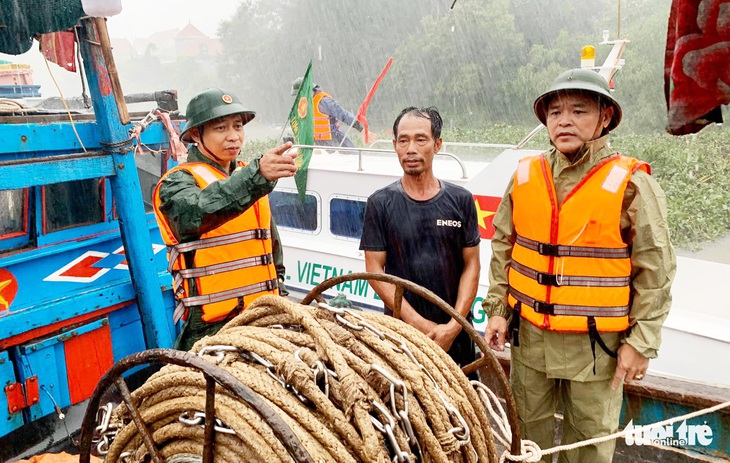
{"type": "Point", "coordinates": [59, 47]}
{"type": "Point", "coordinates": [361, 112]}
{"type": "Point", "coordinates": [486, 208]}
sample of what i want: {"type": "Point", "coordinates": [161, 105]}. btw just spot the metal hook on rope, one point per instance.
{"type": "Point", "coordinates": [220, 350]}
{"type": "Point", "coordinates": [270, 370]}
{"type": "Point", "coordinates": [400, 415]}
{"type": "Point", "coordinates": [198, 419]}
{"type": "Point", "coordinates": [387, 428]}
{"type": "Point", "coordinates": [460, 432]}
{"type": "Point", "coordinates": [319, 371]}
{"type": "Point", "coordinates": [106, 432]}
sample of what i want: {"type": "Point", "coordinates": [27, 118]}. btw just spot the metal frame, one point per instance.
{"type": "Point", "coordinates": [213, 374]}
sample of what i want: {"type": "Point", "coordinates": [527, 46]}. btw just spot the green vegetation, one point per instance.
{"type": "Point", "coordinates": [253, 148]}
{"type": "Point", "coordinates": [694, 172]}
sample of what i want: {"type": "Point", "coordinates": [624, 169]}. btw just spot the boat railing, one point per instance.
{"type": "Point", "coordinates": [476, 145]}
{"type": "Point", "coordinates": [458, 144]}
{"type": "Point", "coordinates": [529, 136]}
{"type": "Point", "coordinates": [518, 146]}
{"type": "Point", "coordinates": [377, 150]}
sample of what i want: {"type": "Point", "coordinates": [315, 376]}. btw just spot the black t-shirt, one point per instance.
{"type": "Point", "coordinates": [423, 242]}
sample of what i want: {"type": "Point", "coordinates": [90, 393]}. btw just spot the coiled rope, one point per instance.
{"type": "Point", "coordinates": [352, 386]}
{"type": "Point", "coordinates": [10, 106]}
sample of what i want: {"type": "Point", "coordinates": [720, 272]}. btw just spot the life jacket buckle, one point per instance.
{"type": "Point", "coordinates": [547, 279]}
{"type": "Point", "coordinates": [544, 308]}
{"type": "Point", "coordinates": [547, 249]}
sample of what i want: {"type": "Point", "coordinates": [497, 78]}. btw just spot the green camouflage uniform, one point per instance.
{"type": "Point", "coordinates": [191, 212]}
{"type": "Point", "coordinates": [550, 367]}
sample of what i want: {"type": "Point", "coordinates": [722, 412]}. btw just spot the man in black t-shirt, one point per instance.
{"type": "Point", "coordinates": [425, 230]}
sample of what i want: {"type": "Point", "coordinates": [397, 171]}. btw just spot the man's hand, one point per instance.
{"type": "Point", "coordinates": [276, 163]}
{"type": "Point", "coordinates": [631, 365]}
{"type": "Point", "coordinates": [372, 137]}
{"type": "Point", "coordinates": [421, 324]}
{"type": "Point", "coordinates": [496, 333]}
{"type": "Point", "coordinates": [444, 335]}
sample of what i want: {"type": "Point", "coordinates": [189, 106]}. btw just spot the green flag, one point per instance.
{"type": "Point", "coordinates": [301, 119]}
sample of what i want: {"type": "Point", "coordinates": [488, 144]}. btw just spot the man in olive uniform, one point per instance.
{"type": "Point", "coordinates": [214, 215]}
{"type": "Point", "coordinates": [582, 265]}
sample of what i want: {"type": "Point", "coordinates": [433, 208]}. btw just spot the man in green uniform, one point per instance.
{"type": "Point", "coordinates": [215, 124]}
{"type": "Point", "coordinates": [551, 364]}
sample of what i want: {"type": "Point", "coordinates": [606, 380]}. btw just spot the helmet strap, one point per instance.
{"type": "Point", "coordinates": [598, 126]}
{"type": "Point", "coordinates": [202, 145]}
{"type": "Point", "coordinates": [602, 107]}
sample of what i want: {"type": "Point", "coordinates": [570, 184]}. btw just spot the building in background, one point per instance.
{"type": "Point", "coordinates": [169, 46]}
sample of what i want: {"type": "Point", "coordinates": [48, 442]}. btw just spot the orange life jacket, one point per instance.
{"type": "Point", "coordinates": [229, 266]}
{"type": "Point", "coordinates": [322, 127]}
{"type": "Point", "coordinates": [571, 269]}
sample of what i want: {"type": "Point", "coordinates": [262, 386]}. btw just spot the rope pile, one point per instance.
{"type": "Point", "coordinates": [8, 105]}
{"type": "Point", "coordinates": [352, 386]}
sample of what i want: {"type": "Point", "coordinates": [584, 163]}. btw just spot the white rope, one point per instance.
{"type": "Point", "coordinates": [488, 397]}
{"type": "Point", "coordinates": [8, 105]}
{"type": "Point", "coordinates": [531, 452]}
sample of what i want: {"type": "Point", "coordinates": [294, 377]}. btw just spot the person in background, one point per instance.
{"type": "Point", "coordinates": [425, 230]}
{"type": "Point", "coordinates": [214, 215]}
{"type": "Point", "coordinates": [327, 117]}
{"type": "Point", "coordinates": [582, 265]}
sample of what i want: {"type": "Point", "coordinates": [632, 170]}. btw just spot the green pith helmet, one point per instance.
{"type": "Point", "coordinates": [211, 104]}
{"type": "Point", "coordinates": [583, 80]}
{"type": "Point", "coordinates": [295, 85]}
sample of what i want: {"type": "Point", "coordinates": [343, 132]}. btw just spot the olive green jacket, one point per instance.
{"type": "Point", "coordinates": [644, 228]}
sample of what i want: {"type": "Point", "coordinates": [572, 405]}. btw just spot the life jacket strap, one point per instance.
{"type": "Point", "coordinates": [549, 279]}
{"type": "Point", "coordinates": [252, 234]}
{"type": "Point", "coordinates": [559, 250]}
{"type": "Point", "coordinates": [266, 285]}
{"type": "Point", "coordinates": [595, 337]}
{"type": "Point", "coordinates": [514, 325]}
{"type": "Point", "coordinates": [547, 308]}
{"type": "Point", "coordinates": [264, 259]}
{"type": "Point", "coordinates": [180, 312]}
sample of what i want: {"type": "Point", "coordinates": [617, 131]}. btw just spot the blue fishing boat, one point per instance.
{"type": "Point", "coordinates": [75, 226]}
